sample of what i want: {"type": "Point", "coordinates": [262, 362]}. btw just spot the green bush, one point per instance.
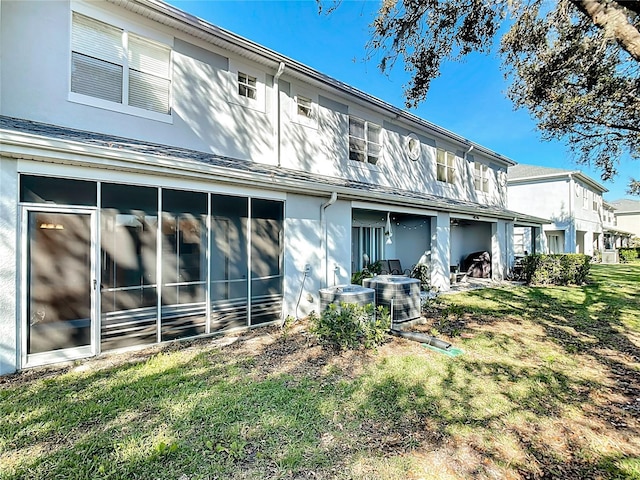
{"type": "Point", "coordinates": [421, 272]}
{"type": "Point", "coordinates": [628, 254]}
{"type": "Point", "coordinates": [369, 271]}
{"type": "Point", "coordinates": [350, 326]}
{"type": "Point", "coordinates": [563, 269]}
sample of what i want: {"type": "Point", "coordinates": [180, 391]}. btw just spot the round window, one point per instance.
{"type": "Point", "coordinates": [412, 146]}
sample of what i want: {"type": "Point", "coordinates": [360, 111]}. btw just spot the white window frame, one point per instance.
{"type": "Point", "coordinates": [300, 96]}
{"type": "Point", "coordinates": [304, 106]}
{"type": "Point", "coordinates": [369, 146]}
{"type": "Point", "coordinates": [147, 35]}
{"type": "Point", "coordinates": [585, 198]}
{"type": "Point", "coordinates": [481, 176]}
{"type": "Point", "coordinates": [446, 162]}
{"type": "Point", "coordinates": [247, 86]}
{"type": "Point", "coordinates": [259, 102]}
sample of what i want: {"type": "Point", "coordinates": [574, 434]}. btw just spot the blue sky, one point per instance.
{"type": "Point", "coordinates": [467, 98]}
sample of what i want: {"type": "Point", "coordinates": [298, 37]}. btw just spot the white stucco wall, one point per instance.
{"type": "Point", "coordinates": [562, 200]}
{"type": "Point", "coordinates": [338, 259]}
{"type": "Point", "coordinates": [469, 238]}
{"type": "Point", "coordinates": [629, 222]}
{"type": "Point", "coordinates": [302, 248]}
{"type": "Point", "coordinates": [8, 265]}
{"type": "Point", "coordinates": [411, 240]}
{"type": "Point", "coordinates": [206, 114]}
{"type": "Point", "coordinates": [203, 117]}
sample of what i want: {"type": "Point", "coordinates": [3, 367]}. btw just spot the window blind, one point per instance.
{"type": "Point", "coordinates": [149, 71]}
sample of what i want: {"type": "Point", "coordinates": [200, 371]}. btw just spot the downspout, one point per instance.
{"type": "Point", "coordinates": [468, 151]}
{"type": "Point", "coordinates": [571, 240]}
{"type": "Point", "coordinates": [277, 133]}
{"type": "Point", "coordinates": [323, 235]}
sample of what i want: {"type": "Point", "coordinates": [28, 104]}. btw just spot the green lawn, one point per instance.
{"type": "Point", "coordinates": [548, 387]}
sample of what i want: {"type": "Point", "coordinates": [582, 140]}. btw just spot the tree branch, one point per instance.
{"type": "Point", "coordinates": [613, 20]}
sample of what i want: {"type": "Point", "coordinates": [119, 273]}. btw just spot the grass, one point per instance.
{"type": "Point", "coordinates": [548, 387]}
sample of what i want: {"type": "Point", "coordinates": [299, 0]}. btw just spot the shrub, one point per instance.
{"type": "Point", "coordinates": [628, 254]}
{"type": "Point", "coordinates": [349, 325]}
{"type": "Point", "coordinates": [369, 271]}
{"type": "Point", "coordinates": [421, 272]}
{"type": "Point", "coordinates": [563, 269]}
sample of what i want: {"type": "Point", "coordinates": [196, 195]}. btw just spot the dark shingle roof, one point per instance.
{"type": "Point", "coordinates": [356, 189]}
{"type": "Point", "coordinates": [527, 171]}
{"type": "Point", "coordinates": [625, 205]}
{"type": "Point", "coordinates": [523, 172]}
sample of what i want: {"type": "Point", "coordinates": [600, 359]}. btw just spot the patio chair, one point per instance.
{"type": "Point", "coordinates": [395, 268]}
{"type": "Point", "coordinates": [384, 267]}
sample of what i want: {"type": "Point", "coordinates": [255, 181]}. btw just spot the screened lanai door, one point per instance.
{"type": "Point", "coordinates": [59, 281]}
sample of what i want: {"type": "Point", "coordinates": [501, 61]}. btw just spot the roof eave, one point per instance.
{"type": "Point", "coordinates": [247, 48]}
{"type": "Point", "coordinates": [40, 148]}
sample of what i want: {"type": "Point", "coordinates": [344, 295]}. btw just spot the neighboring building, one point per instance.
{"type": "Point", "coordinates": [162, 178]}
{"type": "Point", "coordinates": [627, 216]}
{"type": "Point", "coordinates": [614, 236]}
{"type": "Point", "coordinates": [570, 199]}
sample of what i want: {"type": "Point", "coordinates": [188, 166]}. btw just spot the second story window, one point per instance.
{"type": "Point", "coordinates": [109, 63]}
{"type": "Point", "coordinates": [446, 166]}
{"type": "Point", "coordinates": [364, 141]}
{"type": "Point", "coordinates": [247, 86]}
{"type": "Point", "coordinates": [481, 177]}
{"type": "Point", "coordinates": [304, 106]}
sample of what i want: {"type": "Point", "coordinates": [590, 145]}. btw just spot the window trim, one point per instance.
{"type": "Point", "coordinates": [366, 125]}
{"type": "Point", "coordinates": [127, 28]}
{"type": "Point", "coordinates": [447, 160]}
{"type": "Point", "coordinates": [259, 102]}
{"type": "Point", "coordinates": [245, 87]}
{"type": "Point", "coordinates": [481, 176]}
{"type": "Point", "coordinates": [413, 146]}
{"type": "Point", "coordinates": [295, 116]}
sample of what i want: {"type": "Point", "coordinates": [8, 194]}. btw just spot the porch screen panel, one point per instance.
{"type": "Point", "coordinates": [128, 230]}
{"type": "Point", "coordinates": [184, 264]}
{"type": "Point", "coordinates": [59, 191]}
{"type": "Point", "coordinates": [228, 262]}
{"type": "Point", "coordinates": [266, 260]}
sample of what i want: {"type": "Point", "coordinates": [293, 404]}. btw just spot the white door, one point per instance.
{"type": "Point", "coordinates": [59, 284]}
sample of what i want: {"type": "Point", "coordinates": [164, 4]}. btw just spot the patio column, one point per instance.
{"type": "Point", "coordinates": [539, 240]}
{"type": "Point", "coordinates": [498, 249]}
{"type": "Point", "coordinates": [510, 247]}
{"type": "Point", "coordinates": [440, 250]}
{"type": "Point", "coordinates": [588, 243]}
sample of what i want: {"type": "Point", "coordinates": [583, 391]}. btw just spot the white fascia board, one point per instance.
{"type": "Point", "coordinates": [185, 22]}
{"type": "Point", "coordinates": [559, 176]}
{"type": "Point", "coordinates": [29, 147]}
{"type": "Point", "coordinates": [590, 181]}
{"type": "Point", "coordinates": [46, 149]}
{"type": "Point", "coordinates": [385, 207]}
{"type": "Point", "coordinates": [534, 178]}
{"type": "Point", "coordinates": [617, 231]}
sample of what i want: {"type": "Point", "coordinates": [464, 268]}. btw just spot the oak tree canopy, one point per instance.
{"type": "Point", "coordinates": [574, 64]}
